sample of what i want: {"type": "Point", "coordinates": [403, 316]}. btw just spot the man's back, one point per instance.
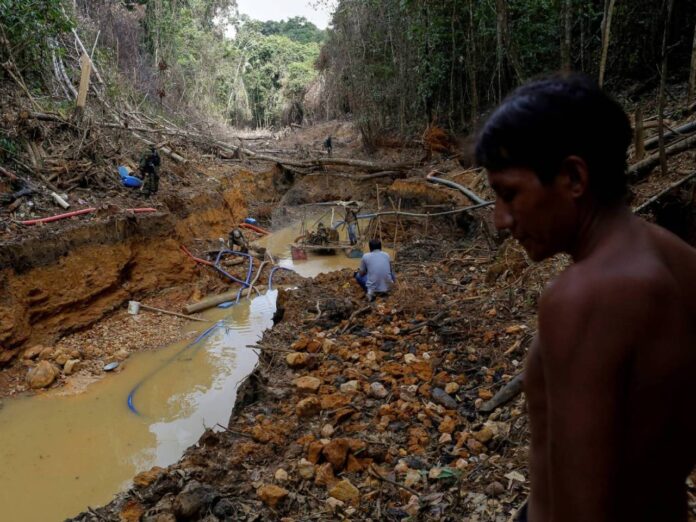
{"type": "Point", "coordinates": [609, 381]}
{"type": "Point", "coordinates": [377, 264]}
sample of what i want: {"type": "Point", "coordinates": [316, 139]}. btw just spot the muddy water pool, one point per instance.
{"type": "Point", "coordinates": [60, 453]}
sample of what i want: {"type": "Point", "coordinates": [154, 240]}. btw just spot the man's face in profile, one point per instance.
{"type": "Point", "coordinates": [541, 217]}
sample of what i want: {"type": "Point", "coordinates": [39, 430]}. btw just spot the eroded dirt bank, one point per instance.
{"type": "Point", "coordinates": [64, 277]}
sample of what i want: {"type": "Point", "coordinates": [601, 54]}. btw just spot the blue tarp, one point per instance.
{"type": "Point", "coordinates": [127, 179]}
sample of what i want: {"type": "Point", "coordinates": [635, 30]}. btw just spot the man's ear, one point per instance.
{"type": "Point", "coordinates": [577, 175]}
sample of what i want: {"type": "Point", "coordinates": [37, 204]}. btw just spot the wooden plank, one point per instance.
{"type": "Point", "coordinates": [86, 68]}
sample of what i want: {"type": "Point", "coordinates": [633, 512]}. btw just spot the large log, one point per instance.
{"type": "Point", "coordinates": [641, 169]}
{"type": "Point", "coordinates": [671, 135]}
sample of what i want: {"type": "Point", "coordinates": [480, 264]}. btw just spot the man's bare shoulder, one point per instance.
{"type": "Point", "coordinates": [588, 306]}
{"type": "Point", "coordinates": [587, 286]}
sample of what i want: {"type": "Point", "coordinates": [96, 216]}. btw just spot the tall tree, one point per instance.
{"type": "Point", "coordinates": [606, 36]}
{"type": "Point", "coordinates": [566, 21]}
{"type": "Point", "coordinates": [661, 94]}
{"type": "Point", "coordinates": [692, 72]}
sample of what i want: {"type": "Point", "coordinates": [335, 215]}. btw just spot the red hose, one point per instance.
{"type": "Point", "coordinates": [89, 210]}
{"type": "Point", "coordinates": [59, 216]}
{"type": "Point", "coordinates": [196, 259]}
{"type": "Point", "coordinates": [254, 228]}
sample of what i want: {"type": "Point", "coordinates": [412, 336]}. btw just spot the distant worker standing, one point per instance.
{"type": "Point", "coordinates": [375, 274]}
{"type": "Point", "coordinates": [149, 167]}
{"type": "Point", "coordinates": [351, 221]}
{"type": "Point", "coordinates": [328, 145]}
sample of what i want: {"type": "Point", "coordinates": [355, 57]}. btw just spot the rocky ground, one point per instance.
{"type": "Point", "coordinates": [371, 412]}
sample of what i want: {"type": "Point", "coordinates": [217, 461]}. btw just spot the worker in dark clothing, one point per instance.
{"type": "Point", "coordinates": [351, 221]}
{"type": "Point", "coordinates": [149, 168]}
{"type": "Point", "coordinates": [238, 242]}
{"type": "Point", "coordinates": [328, 145]}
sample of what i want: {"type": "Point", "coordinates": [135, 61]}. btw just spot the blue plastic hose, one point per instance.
{"type": "Point", "coordinates": [217, 267]}
{"type": "Point", "coordinates": [270, 276]}
{"type": "Point", "coordinates": [131, 395]}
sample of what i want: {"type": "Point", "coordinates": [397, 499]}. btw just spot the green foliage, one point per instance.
{"type": "Point", "coordinates": [27, 27]}
{"type": "Point", "coordinates": [297, 29]}
{"type": "Point", "coordinates": [277, 71]}
{"type": "Point", "coordinates": [251, 79]}
{"type": "Point", "coordinates": [401, 64]}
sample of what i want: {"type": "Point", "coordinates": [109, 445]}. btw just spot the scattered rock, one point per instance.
{"type": "Point", "coordinates": [271, 494]}
{"type": "Point", "coordinates": [451, 387]}
{"type": "Point", "coordinates": [401, 467]}
{"type": "Point", "coordinates": [46, 353]}
{"type": "Point", "coordinates": [308, 407]}
{"type": "Point", "coordinates": [300, 344]}
{"type": "Point", "coordinates": [495, 489]}
{"type": "Point", "coordinates": [33, 352]}
{"type": "Point", "coordinates": [445, 438]}
{"type": "Point", "coordinates": [413, 477]}
{"type": "Point", "coordinates": [121, 355]}
{"type": "Point", "coordinates": [145, 478]}
{"type": "Point", "coordinates": [60, 358]}
{"type": "Point", "coordinates": [328, 345]}
{"type": "Point", "coordinates": [334, 504]}
{"type": "Point", "coordinates": [434, 473]}
{"type": "Point", "coordinates": [441, 397]}
{"type": "Point", "coordinates": [281, 475]}
{"type": "Point", "coordinates": [336, 453]}
{"type": "Point", "coordinates": [485, 395]}
{"type": "Point", "coordinates": [131, 511]}
{"type": "Point", "coordinates": [325, 475]}
{"type": "Point", "coordinates": [447, 425]}
{"type": "Point", "coordinates": [70, 366]}
{"type": "Point", "coordinates": [346, 492]}
{"type": "Point", "coordinates": [298, 360]}
{"type": "Point", "coordinates": [306, 469]}
{"type": "Point", "coordinates": [224, 509]}
{"type": "Point", "coordinates": [350, 387]}
{"type": "Point", "coordinates": [484, 435]}
{"type": "Point", "coordinates": [378, 391]}
{"type": "Point", "coordinates": [194, 498]}
{"type": "Point", "coordinates": [307, 384]}
{"type": "Point", "coordinates": [41, 375]}
{"type": "Point", "coordinates": [327, 430]}
{"type": "Point", "coordinates": [313, 346]}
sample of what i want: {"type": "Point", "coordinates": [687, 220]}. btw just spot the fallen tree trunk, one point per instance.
{"type": "Point", "coordinates": [671, 187]}
{"type": "Point", "coordinates": [671, 135]}
{"type": "Point", "coordinates": [359, 177]}
{"type": "Point", "coordinates": [641, 169]}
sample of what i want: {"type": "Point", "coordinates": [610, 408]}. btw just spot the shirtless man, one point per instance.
{"type": "Point", "coordinates": [610, 378]}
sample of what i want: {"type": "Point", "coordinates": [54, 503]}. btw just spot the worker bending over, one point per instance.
{"type": "Point", "coordinates": [375, 274]}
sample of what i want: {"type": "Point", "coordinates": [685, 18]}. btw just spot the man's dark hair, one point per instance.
{"type": "Point", "coordinates": [543, 122]}
{"type": "Point", "coordinates": [375, 244]}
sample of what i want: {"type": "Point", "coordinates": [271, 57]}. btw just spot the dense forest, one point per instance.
{"type": "Point", "coordinates": [186, 54]}
{"type": "Point", "coordinates": [399, 63]}
{"type": "Point", "coordinates": [391, 65]}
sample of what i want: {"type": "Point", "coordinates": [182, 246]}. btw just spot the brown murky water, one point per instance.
{"type": "Point", "coordinates": [279, 245]}
{"type": "Point", "coordinates": [61, 453]}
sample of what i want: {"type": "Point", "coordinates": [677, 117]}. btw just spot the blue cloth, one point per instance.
{"type": "Point", "coordinates": [377, 267]}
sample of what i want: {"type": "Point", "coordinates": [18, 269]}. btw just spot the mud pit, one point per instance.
{"type": "Point", "coordinates": [155, 406]}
